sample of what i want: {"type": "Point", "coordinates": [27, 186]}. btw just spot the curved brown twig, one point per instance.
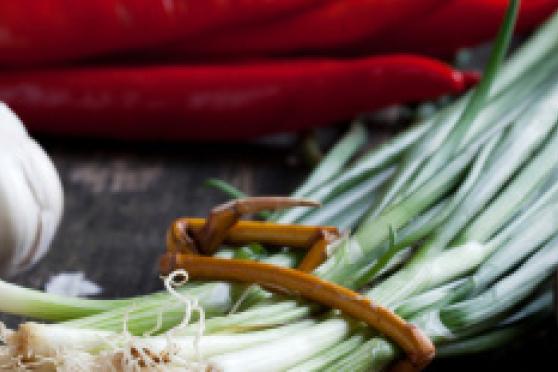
{"type": "Point", "coordinates": [207, 239]}
{"type": "Point", "coordinates": [179, 239]}
{"type": "Point", "coordinates": [245, 232]}
{"type": "Point", "coordinates": [318, 251]}
{"type": "Point", "coordinates": [418, 347]}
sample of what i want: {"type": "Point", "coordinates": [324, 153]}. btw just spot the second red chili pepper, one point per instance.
{"type": "Point", "coordinates": [357, 27]}
{"type": "Point", "coordinates": [328, 27]}
{"type": "Point", "coordinates": [458, 24]}
{"type": "Point", "coordinates": [220, 102]}
{"type": "Point", "coordinates": [47, 31]}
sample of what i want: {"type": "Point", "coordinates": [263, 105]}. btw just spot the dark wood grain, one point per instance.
{"type": "Point", "coordinates": [119, 200]}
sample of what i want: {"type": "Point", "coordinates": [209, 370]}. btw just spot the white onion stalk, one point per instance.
{"type": "Point", "coordinates": [328, 356]}
{"type": "Point", "coordinates": [285, 352]}
{"type": "Point", "coordinates": [31, 198]}
{"type": "Point", "coordinates": [52, 343]}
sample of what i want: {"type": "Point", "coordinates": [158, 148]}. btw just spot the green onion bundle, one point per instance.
{"type": "Point", "coordinates": [453, 225]}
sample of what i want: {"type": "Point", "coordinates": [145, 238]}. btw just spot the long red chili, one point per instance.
{"type": "Point", "coordinates": [459, 23]}
{"type": "Point", "coordinates": [329, 27]}
{"type": "Point", "coordinates": [371, 27]}
{"type": "Point", "coordinates": [35, 32]}
{"type": "Point", "coordinates": [220, 102]}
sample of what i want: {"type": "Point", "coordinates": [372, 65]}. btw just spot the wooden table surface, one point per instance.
{"type": "Point", "coordinates": [120, 198]}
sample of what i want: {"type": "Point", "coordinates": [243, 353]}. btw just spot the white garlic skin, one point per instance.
{"type": "Point", "coordinates": [31, 197]}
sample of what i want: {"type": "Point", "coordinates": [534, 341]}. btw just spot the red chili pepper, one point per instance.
{"type": "Point", "coordinates": [34, 32]}
{"type": "Point", "coordinates": [534, 12]}
{"type": "Point", "coordinates": [220, 102]}
{"type": "Point", "coordinates": [372, 26]}
{"type": "Point", "coordinates": [324, 28]}
{"type": "Point", "coordinates": [460, 23]}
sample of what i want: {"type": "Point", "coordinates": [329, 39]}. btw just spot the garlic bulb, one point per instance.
{"type": "Point", "coordinates": [31, 198]}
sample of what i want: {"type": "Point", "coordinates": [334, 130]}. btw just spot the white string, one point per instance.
{"type": "Point", "coordinates": [158, 326]}
{"type": "Point", "coordinates": [243, 296]}
{"type": "Point", "coordinates": [176, 279]}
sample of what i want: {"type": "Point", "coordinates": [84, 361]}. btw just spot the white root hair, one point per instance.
{"type": "Point", "coordinates": [116, 352]}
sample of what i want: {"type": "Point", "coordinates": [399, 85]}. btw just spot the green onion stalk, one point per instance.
{"type": "Point", "coordinates": [532, 162]}
{"type": "Point", "coordinates": [454, 226]}
{"type": "Point", "coordinates": [217, 297]}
